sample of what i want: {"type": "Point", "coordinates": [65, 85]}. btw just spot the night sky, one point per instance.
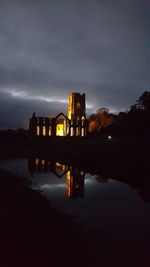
{"type": "Point", "coordinates": [50, 48]}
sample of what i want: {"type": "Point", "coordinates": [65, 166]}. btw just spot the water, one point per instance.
{"type": "Point", "coordinates": [113, 214]}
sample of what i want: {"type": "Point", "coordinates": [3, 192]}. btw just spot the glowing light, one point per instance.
{"type": "Point", "coordinates": [68, 176]}
{"type": "Point", "coordinates": [36, 162]}
{"type": "Point", "coordinates": [60, 130]}
{"type": "Point", "coordinates": [77, 131]}
{"type": "Point", "coordinates": [71, 131]}
{"type": "Point", "coordinates": [70, 107]}
{"type": "Point", "coordinates": [49, 131]}
{"type": "Point", "coordinates": [44, 130]}
{"type": "Point", "coordinates": [82, 172]}
{"type": "Point", "coordinates": [58, 164]}
{"type": "Point", "coordinates": [109, 137]}
{"type": "Point", "coordinates": [43, 162]}
{"type": "Point", "coordinates": [82, 132]}
{"type": "Point", "coordinates": [38, 130]}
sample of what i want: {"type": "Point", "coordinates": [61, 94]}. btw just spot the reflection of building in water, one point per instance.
{"type": "Point", "coordinates": [75, 124]}
{"type": "Point", "coordinates": [75, 183]}
{"type": "Point", "coordinates": [44, 165]}
{"type": "Point", "coordinates": [74, 175]}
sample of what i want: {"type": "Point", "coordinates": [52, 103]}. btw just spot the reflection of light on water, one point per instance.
{"type": "Point", "coordinates": [60, 165]}
{"type": "Point", "coordinates": [49, 186]}
{"type": "Point", "coordinates": [88, 181]}
{"type": "Point", "coordinates": [43, 162]}
{"type": "Point", "coordinates": [54, 186]}
{"type": "Point", "coordinates": [68, 184]}
{"type": "Point", "coordinates": [107, 208]}
{"type": "Point", "coordinates": [36, 162]}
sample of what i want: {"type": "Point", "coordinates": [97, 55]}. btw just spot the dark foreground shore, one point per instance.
{"type": "Point", "coordinates": [32, 232]}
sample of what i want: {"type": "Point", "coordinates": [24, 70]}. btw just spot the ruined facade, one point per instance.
{"type": "Point", "coordinates": [75, 124]}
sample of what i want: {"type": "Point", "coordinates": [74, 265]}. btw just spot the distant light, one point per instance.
{"type": "Point", "coordinates": [109, 137]}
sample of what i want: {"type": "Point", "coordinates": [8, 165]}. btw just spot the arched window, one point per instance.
{"type": "Point", "coordinates": [49, 131]}
{"type": "Point", "coordinates": [82, 132]}
{"type": "Point", "coordinates": [77, 131]}
{"type": "Point", "coordinates": [61, 125]}
{"type": "Point", "coordinates": [44, 130]}
{"type": "Point", "coordinates": [71, 132]}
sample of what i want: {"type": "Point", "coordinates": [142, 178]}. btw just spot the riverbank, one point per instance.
{"type": "Point", "coordinates": [114, 158]}
{"type": "Point", "coordinates": [33, 233]}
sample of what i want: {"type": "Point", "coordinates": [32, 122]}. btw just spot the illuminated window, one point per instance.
{"type": "Point", "coordinates": [50, 131]}
{"type": "Point", "coordinates": [77, 131]}
{"type": "Point", "coordinates": [36, 162]}
{"type": "Point", "coordinates": [60, 130]}
{"type": "Point", "coordinates": [38, 130]}
{"type": "Point", "coordinates": [58, 164]}
{"type": "Point", "coordinates": [65, 126]}
{"type": "Point", "coordinates": [44, 130]}
{"type": "Point", "coordinates": [43, 162]}
{"type": "Point", "coordinates": [82, 132]}
{"type": "Point", "coordinates": [71, 132]}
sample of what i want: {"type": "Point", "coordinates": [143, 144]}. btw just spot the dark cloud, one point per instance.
{"type": "Point", "coordinates": [15, 111]}
{"type": "Point", "coordinates": [50, 48]}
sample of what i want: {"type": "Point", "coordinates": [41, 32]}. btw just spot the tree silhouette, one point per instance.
{"type": "Point", "coordinates": [144, 101]}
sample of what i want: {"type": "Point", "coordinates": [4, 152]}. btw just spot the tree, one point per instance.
{"type": "Point", "coordinates": [133, 108]}
{"type": "Point", "coordinates": [144, 101]}
{"type": "Point", "coordinates": [100, 119]}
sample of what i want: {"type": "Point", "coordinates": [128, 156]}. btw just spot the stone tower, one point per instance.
{"type": "Point", "coordinates": [76, 106]}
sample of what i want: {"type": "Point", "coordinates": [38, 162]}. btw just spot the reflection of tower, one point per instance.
{"type": "Point", "coordinates": [76, 106]}
{"type": "Point", "coordinates": [75, 183]}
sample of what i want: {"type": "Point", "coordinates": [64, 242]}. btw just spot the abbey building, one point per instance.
{"type": "Point", "coordinates": [75, 124]}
